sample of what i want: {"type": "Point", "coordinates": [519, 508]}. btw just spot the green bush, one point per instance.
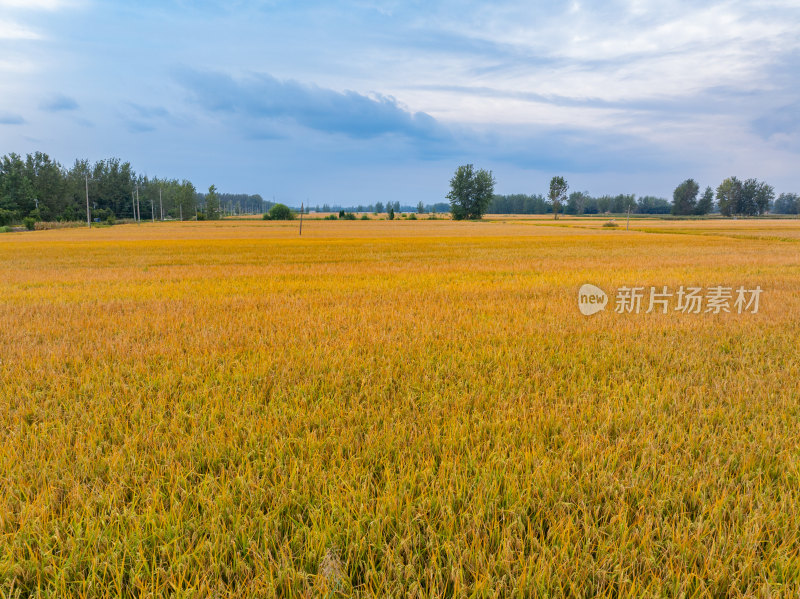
{"type": "Point", "coordinates": [5, 229]}
{"type": "Point", "coordinates": [29, 222]}
{"type": "Point", "coordinates": [610, 225]}
{"type": "Point", "coordinates": [331, 217]}
{"type": "Point", "coordinates": [202, 216]}
{"type": "Point", "coordinates": [412, 216]}
{"type": "Point", "coordinates": [364, 217]}
{"type": "Point", "coordinates": [279, 212]}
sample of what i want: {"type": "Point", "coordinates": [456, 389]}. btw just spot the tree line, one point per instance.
{"type": "Point", "coordinates": [41, 189]}
{"type": "Point", "coordinates": [578, 202]}
{"type": "Point", "coordinates": [733, 197]}
{"type": "Point", "coordinates": [472, 195]}
{"type": "Point", "coordinates": [232, 204]}
{"type": "Point", "coordinates": [38, 188]}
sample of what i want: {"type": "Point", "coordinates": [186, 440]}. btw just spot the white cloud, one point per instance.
{"type": "Point", "coordinates": [36, 4]}
{"type": "Point", "coordinates": [10, 30]}
{"type": "Point", "coordinates": [644, 50]}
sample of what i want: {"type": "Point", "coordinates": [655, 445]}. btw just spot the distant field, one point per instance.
{"type": "Point", "coordinates": [397, 408]}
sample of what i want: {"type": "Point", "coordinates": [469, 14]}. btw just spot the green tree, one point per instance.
{"type": "Point", "coordinates": [653, 205]}
{"type": "Point", "coordinates": [746, 198]}
{"type": "Point", "coordinates": [279, 212]}
{"type": "Point", "coordinates": [756, 197]}
{"type": "Point", "coordinates": [787, 203]}
{"type": "Point", "coordinates": [684, 198]}
{"type": "Point", "coordinates": [185, 200]}
{"type": "Point", "coordinates": [378, 207]}
{"type": "Point", "coordinates": [728, 196]}
{"type": "Point", "coordinates": [212, 204]}
{"type": "Point", "coordinates": [112, 187]}
{"type": "Point", "coordinates": [17, 194]}
{"type": "Point", "coordinates": [557, 194]}
{"type": "Point", "coordinates": [420, 208]}
{"type": "Point", "coordinates": [706, 203]}
{"type": "Point", "coordinates": [577, 202]}
{"type": "Point", "coordinates": [471, 192]}
{"type": "Point", "coordinates": [390, 211]}
{"type": "Point", "coordinates": [49, 185]}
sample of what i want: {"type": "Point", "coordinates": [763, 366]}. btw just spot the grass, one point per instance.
{"type": "Point", "coordinates": [395, 408]}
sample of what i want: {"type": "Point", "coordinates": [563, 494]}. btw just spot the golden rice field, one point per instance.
{"type": "Point", "coordinates": [397, 409]}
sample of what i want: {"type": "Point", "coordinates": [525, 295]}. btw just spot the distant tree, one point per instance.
{"type": "Point", "coordinates": [49, 185]}
{"type": "Point", "coordinates": [746, 198]}
{"type": "Point", "coordinates": [627, 202]}
{"type": "Point", "coordinates": [577, 202]}
{"type": "Point", "coordinates": [378, 207]}
{"type": "Point", "coordinates": [684, 198]}
{"type": "Point", "coordinates": [185, 195]}
{"type": "Point", "coordinates": [390, 211]}
{"type": "Point", "coordinates": [728, 196]}
{"type": "Point", "coordinates": [470, 193]}
{"type": "Point", "coordinates": [653, 205]}
{"type": "Point", "coordinates": [212, 204]}
{"type": "Point", "coordinates": [557, 194]}
{"type": "Point", "coordinates": [279, 212]}
{"type": "Point", "coordinates": [757, 197]}
{"type": "Point", "coordinates": [787, 203]}
{"type": "Point", "coordinates": [706, 203]}
{"type": "Point", "coordinates": [518, 203]}
{"type": "Point", "coordinates": [420, 208]}
{"type": "Point", "coordinates": [17, 193]}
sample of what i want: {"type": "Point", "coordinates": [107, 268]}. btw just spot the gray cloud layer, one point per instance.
{"type": "Point", "coordinates": [263, 97]}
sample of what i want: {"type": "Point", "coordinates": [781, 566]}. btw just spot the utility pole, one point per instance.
{"type": "Point", "coordinates": [161, 204]}
{"type": "Point", "coordinates": [301, 218]}
{"type": "Point", "coordinates": [88, 217]}
{"type": "Point", "coordinates": [628, 219]}
{"type": "Point", "coordinates": [152, 209]}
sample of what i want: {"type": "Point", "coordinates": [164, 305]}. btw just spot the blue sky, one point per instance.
{"type": "Point", "coordinates": [366, 100]}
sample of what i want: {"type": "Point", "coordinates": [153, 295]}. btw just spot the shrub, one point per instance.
{"type": "Point", "coordinates": [29, 222]}
{"type": "Point", "coordinates": [279, 212]}
{"type": "Point", "coordinates": [331, 217]}
{"type": "Point", "coordinates": [364, 217]}
{"type": "Point", "coordinates": [412, 216]}
{"type": "Point", "coordinates": [610, 224]}
{"type": "Point", "coordinates": [202, 216]}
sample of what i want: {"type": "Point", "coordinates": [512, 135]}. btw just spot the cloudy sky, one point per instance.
{"type": "Point", "coordinates": [364, 100]}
